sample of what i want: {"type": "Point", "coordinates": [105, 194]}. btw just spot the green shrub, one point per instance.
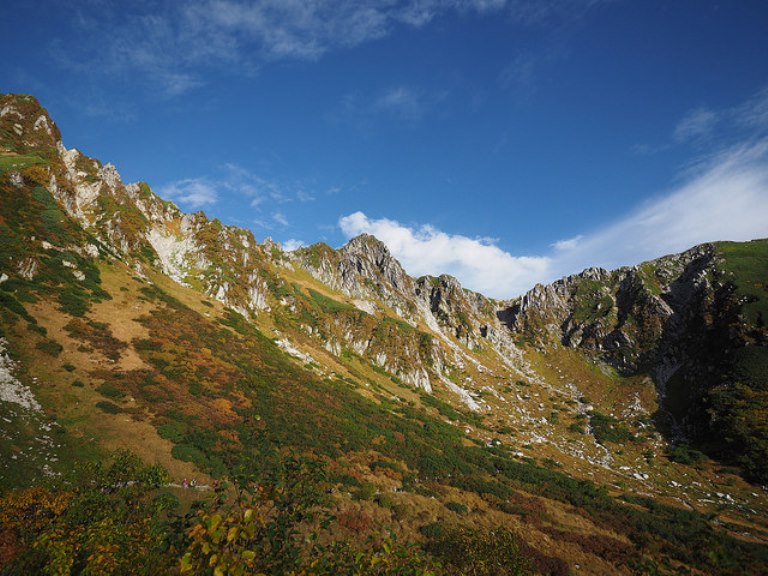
{"type": "Point", "coordinates": [110, 391]}
{"type": "Point", "coordinates": [73, 302]}
{"type": "Point", "coordinates": [50, 347]}
{"type": "Point", "coordinates": [609, 429]}
{"type": "Point", "coordinates": [108, 407]}
{"type": "Point", "coordinates": [366, 491]}
{"type": "Point", "coordinates": [189, 453]}
{"type": "Point", "coordinates": [173, 431]}
{"type": "Point", "coordinates": [480, 552]}
{"type": "Point", "coordinates": [684, 454]}
{"type": "Point", "coordinates": [433, 530]}
{"type": "Point", "coordinates": [457, 507]}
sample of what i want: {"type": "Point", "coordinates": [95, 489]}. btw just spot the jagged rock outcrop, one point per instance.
{"type": "Point", "coordinates": [463, 320]}
{"type": "Point", "coordinates": [131, 222]}
{"type": "Point", "coordinates": [621, 316]}
{"type": "Point", "coordinates": [678, 318]}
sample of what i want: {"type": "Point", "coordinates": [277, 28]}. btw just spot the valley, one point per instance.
{"type": "Point", "coordinates": [613, 422]}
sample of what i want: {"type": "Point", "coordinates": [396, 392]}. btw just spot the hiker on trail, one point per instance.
{"type": "Point", "coordinates": [184, 483]}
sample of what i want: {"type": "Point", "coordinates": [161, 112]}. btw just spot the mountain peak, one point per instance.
{"type": "Point", "coordinates": [26, 125]}
{"type": "Point", "coordinates": [366, 242]}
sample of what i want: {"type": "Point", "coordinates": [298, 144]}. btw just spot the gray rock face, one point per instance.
{"type": "Point", "coordinates": [677, 317]}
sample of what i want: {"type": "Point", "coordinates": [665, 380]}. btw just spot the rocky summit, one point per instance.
{"type": "Point", "coordinates": [339, 416]}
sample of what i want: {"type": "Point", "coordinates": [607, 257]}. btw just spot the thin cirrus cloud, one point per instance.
{"type": "Point", "coordinates": [191, 192]}
{"type": "Point", "coordinates": [182, 41]}
{"type": "Point", "coordinates": [698, 123]}
{"type": "Point", "coordinates": [725, 199]}
{"type": "Point", "coordinates": [236, 181]}
{"type": "Point", "coordinates": [399, 102]}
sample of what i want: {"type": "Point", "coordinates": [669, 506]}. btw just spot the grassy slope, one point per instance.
{"type": "Point", "coordinates": [748, 262]}
{"type": "Point", "coordinates": [199, 389]}
{"type": "Point", "coordinates": [219, 374]}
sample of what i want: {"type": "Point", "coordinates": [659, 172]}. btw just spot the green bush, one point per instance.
{"type": "Point", "coordinates": [684, 454]}
{"type": "Point", "coordinates": [457, 507]}
{"type": "Point", "coordinates": [480, 552]}
{"type": "Point", "coordinates": [108, 407]}
{"type": "Point", "coordinates": [110, 391]}
{"type": "Point", "coordinates": [50, 347]}
{"type": "Point", "coordinates": [173, 431]}
{"type": "Point", "coordinates": [609, 429]}
{"type": "Point", "coordinates": [73, 302]}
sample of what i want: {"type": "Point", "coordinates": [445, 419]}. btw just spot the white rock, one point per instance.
{"type": "Point", "coordinates": [463, 395]}
{"type": "Point", "coordinates": [11, 390]}
{"type": "Point", "coordinates": [16, 179]}
{"type": "Point", "coordinates": [10, 110]}
{"type": "Point", "coordinates": [42, 123]}
{"type": "Point", "coordinates": [286, 345]}
{"type": "Point", "coordinates": [28, 268]}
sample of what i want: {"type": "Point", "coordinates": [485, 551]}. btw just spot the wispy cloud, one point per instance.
{"type": "Point", "coordinates": [234, 181]}
{"type": "Point", "coordinates": [697, 123]}
{"type": "Point", "coordinates": [753, 114]}
{"type": "Point", "coordinates": [191, 193]}
{"type": "Point", "coordinates": [567, 244]}
{"type": "Point", "coordinates": [293, 244]}
{"type": "Point", "coordinates": [407, 104]}
{"type": "Point", "coordinates": [402, 101]}
{"type": "Point", "coordinates": [176, 44]}
{"type": "Point", "coordinates": [707, 127]}
{"type": "Point", "coordinates": [519, 74]}
{"type": "Point", "coordinates": [262, 191]}
{"type": "Point", "coordinates": [725, 198]}
{"type": "Point", "coordinates": [280, 218]}
{"type": "Point", "coordinates": [545, 12]}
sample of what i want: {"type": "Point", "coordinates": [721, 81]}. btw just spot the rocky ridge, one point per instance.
{"type": "Point", "coordinates": [428, 333]}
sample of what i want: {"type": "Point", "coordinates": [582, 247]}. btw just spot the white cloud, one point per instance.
{"type": "Point", "coordinates": [398, 102]}
{"type": "Point", "coordinates": [697, 123]}
{"type": "Point", "coordinates": [304, 196]}
{"type": "Point", "coordinates": [174, 44]}
{"type": "Point", "coordinates": [261, 190]}
{"type": "Point", "coordinates": [753, 114]}
{"type": "Point", "coordinates": [261, 194]}
{"type": "Point", "coordinates": [479, 265]}
{"type": "Point", "coordinates": [725, 199]}
{"type": "Point", "coordinates": [568, 244]}
{"type": "Point", "coordinates": [292, 244]}
{"type": "Point", "coordinates": [280, 218]}
{"type": "Point", "coordinates": [401, 100]}
{"type": "Point", "coordinates": [192, 192]}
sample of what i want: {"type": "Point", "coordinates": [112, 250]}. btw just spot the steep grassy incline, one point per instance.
{"type": "Point", "coordinates": [127, 324]}
{"type": "Point", "coordinates": [694, 322]}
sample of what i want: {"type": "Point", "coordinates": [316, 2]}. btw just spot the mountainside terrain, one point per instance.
{"type": "Point", "coordinates": [613, 422]}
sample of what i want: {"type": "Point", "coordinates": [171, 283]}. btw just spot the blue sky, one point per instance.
{"type": "Point", "coordinates": [506, 142]}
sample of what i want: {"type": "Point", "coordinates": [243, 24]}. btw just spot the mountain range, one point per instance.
{"type": "Point", "coordinates": [612, 422]}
